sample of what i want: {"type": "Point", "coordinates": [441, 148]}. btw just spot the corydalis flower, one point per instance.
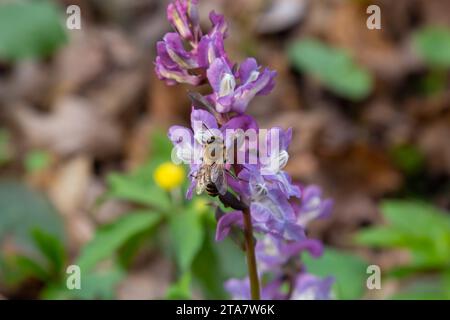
{"type": "Point", "coordinates": [278, 156]}
{"type": "Point", "coordinates": [269, 207]}
{"type": "Point", "coordinates": [273, 253]}
{"type": "Point", "coordinates": [309, 287]}
{"type": "Point", "coordinates": [174, 63]}
{"type": "Point", "coordinates": [233, 92]}
{"type": "Point", "coordinates": [305, 287]}
{"type": "Point", "coordinates": [240, 290]}
{"type": "Point", "coordinates": [312, 206]}
{"type": "Point", "coordinates": [183, 15]}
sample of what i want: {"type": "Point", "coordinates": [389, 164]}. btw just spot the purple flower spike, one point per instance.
{"type": "Point", "coordinates": [256, 183]}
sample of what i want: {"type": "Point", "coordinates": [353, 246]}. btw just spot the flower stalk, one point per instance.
{"type": "Point", "coordinates": [251, 258]}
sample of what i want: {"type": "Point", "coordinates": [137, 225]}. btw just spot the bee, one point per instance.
{"type": "Point", "coordinates": [210, 176]}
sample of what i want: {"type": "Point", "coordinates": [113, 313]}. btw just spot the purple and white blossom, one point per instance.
{"type": "Point", "coordinates": [233, 92]}
{"type": "Point", "coordinates": [309, 287]}
{"type": "Point", "coordinates": [258, 188]}
{"type": "Point", "coordinates": [174, 63]}
{"type": "Point", "coordinates": [312, 206]}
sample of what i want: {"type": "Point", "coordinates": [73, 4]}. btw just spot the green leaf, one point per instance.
{"type": "Point", "coordinates": [94, 285]}
{"type": "Point", "coordinates": [135, 188]}
{"type": "Point", "coordinates": [31, 268]}
{"type": "Point", "coordinates": [382, 237]}
{"type": "Point", "coordinates": [17, 268]}
{"type": "Point", "coordinates": [181, 290]}
{"type": "Point", "coordinates": [52, 249]}
{"type": "Point", "coordinates": [207, 269]}
{"type": "Point", "coordinates": [348, 270]}
{"type": "Point", "coordinates": [29, 29]}
{"type": "Point", "coordinates": [408, 158]}
{"type": "Point", "coordinates": [433, 45]}
{"type": "Point", "coordinates": [99, 284]}
{"type": "Point", "coordinates": [423, 289]}
{"type": "Point", "coordinates": [36, 160]}
{"type": "Point", "coordinates": [5, 147]}
{"type": "Point", "coordinates": [161, 147]}
{"type": "Point", "coordinates": [416, 226]}
{"type": "Point", "coordinates": [186, 234]}
{"type": "Point", "coordinates": [232, 259]}
{"type": "Point", "coordinates": [415, 217]}
{"type": "Point", "coordinates": [334, 68]}
{"type": "Point", "coordinates": [23, 210]}
{"type": "Point", "coordinates": [110, 238]}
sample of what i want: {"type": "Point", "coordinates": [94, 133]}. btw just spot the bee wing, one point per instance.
{"type": "Point", "coordinates": [203, 135]}
{"type": "Point", "coordinates": [201, 183]}
{"type": "Point", "coordinates": [218, 178]}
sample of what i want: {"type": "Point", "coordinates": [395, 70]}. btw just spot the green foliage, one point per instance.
{"type": "Point", "coordinates": [15, 269]}
{"type": "Point", "coordinates": [216, 263]}
{"type": "Point", "coordinates": [208, 271]}
{"type": "Point", "coordinates": [186, 234]}
{"type": "Point", "coordinates": [29, 29]}
{"type": "Point", "coordinates": [5, 149]}
{"type": "Point", "coordinates": [110, 238]}
{"type": "Point", "coordinates": [45, 264]}
{"type": "Point", "coordinates": [348, 270]}
{"type": "Point", "coordinates": [161, 149]}
{"type": "Point", "coordinates": [23, 210]}
{"type": "Point", "coordinates": [408, 158]}
{"type": "Point", "coordinates": [138, 188]}
{"type": "Point", "coordinates": [52, 249]}
{"type": "Point", "coordinates": [334, 68]}
{"type": "Point", "coordinates": [434, 82]}
{"type": "Point", "coordinates": [418, 227]}
{"type": "Point", "coordinates": [425, 289]}
{"type": "Point", "coordinates": [433, 45]}
{"type": "Point", "coordinates": [26, 267]}
{"type": "Point", "coordinates": [36, 160]}
{"type": "Point", "coordinates": [180, 290]}
{"type": "Point", "coordinates": [94, 285]}
{"type": "Point", "coordinates": [424, 231]}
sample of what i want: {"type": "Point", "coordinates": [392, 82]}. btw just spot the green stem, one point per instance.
{"type": "Point", "coordinates": [250, 251]}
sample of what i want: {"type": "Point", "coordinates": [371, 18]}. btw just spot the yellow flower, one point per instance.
{"type": "Point", "coordinates": [169, 176]}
